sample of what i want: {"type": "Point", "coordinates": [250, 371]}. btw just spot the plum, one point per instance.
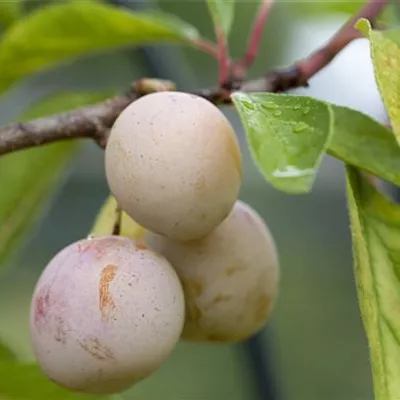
{"type": "Point", "coordinates": [174, 164]}
{"type": "Point", "coordinates": [106, 312]}
{"type": "Point", "coordinates": [230, 278]}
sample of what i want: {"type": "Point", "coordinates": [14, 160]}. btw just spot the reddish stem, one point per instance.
{"type": "Point", "coordinates": [224, 59]}
{"type": "Point", "coordinates": [245, 63]}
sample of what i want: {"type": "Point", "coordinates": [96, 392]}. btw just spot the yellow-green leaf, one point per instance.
{"type": "Point", "coordinates": [361, 141]}
{"type": "Point", "coordinates": [64, 31]}
{"type": "Point", "coordinates": [385, 53]}
{"type": "Point", "coordinates": [106, 218]}
{"type": "Point", "coordinates": [375, 224]}
{"type": "Point", "coordinates": [10, 11]}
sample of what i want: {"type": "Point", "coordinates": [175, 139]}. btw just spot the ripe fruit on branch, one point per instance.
{"type": "Point", "coordinates": [230, 278]}
{"type": "Point", "coordinates": [106, 312]}
{"type": "Point", "coordinates": [173, 164]}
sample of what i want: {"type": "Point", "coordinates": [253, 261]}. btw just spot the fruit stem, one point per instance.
{"type": "Point", "coordinates": [118, 219]}
{"type": "Point", "coordinates": [224, 59]}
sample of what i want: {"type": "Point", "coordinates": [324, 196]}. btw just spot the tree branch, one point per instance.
{"type": "Point", "coordinates": [95, 121]}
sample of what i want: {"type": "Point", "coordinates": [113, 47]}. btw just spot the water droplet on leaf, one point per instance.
{"type": "Point", "coordinates": [277, 113]}
{"type": "Point", "coordinates": [269, 106]}
{"type": "Point", "coordinates": [291, 171]}
{"type": "Point", "coordinates": [297, 107]}
{"type": "Point", "coordinates": [306, 110]}
{"type": "Point", "coordinates": [299, 127]}
{"type": "Point", "coordinates": [248, 104]}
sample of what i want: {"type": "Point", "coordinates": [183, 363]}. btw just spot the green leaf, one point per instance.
{"type": "Point", "coordinates": [10, 11]}
{"type": "Point", "coordinates": [6, 354]}
{"type": "Point", "coordinates": [375, 224]}
{"type": "Point", "coordinates": [61, 32]}
{"type": "Point", "coordinates": [222, 13]}
{"type": "Point", "coordinates": [385, 53]}
{"type": "Point", "coordinates": [28, 177]}
{"type": "Point", "coordinates": [361, 141]}
{"type": "Point", "coordinates": [27, 382]}
{"type": "Point", "coordinates": [328, 7]}
{"type": "Point", "coordinates": [287, 136]}
{"type": "Point", "coordinates": [31, 5]}
{"type": "Point", "coordinates": [107, 217]}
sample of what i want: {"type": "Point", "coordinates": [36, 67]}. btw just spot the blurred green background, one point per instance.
{"type": "Point", "coordinates": [317, 348]}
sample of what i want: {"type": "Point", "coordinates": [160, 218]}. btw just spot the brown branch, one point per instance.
{"type": "Point", "coordinates": [95, 121]}
{"type": "Point", "coordinates": [88, 122]}
{"type": "Point", "coordinates": [299, 74]}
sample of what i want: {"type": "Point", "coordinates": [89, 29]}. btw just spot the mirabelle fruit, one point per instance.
{"type": "Point", "coordinates": [173, 164]}
{"type": "Point", "coordinates": [230, 278]}
{"type": "Point", "coordinates": [106, 312]}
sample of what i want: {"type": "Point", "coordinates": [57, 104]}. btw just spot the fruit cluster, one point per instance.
{"type": "Point", "coordinates": [108, 310]}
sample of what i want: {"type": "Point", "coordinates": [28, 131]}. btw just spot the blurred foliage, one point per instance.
{"type": "Point", "coordinates": [10, 11]}
{"type": "Point", "coordinates": [29, 6]}
{"type": "Point", "coordinates": [328, 7]}
{"type": "Point", "coordinates": [27, 382]}
{"type": "Point", "coordinates": [6, 354]}
{"type": "Point", "coordinates": [60, 32]}
{"type": "Point", "coordinates": [30, 175]}
{"type": "Point", "coordinates": [223, 14]}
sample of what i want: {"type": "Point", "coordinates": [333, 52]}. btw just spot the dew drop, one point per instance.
{"type": "Point", "coordinates": [248, 104]}
{"type": "Point", "coordinates": [299, 127]}
{"type": "Point", "coordinates": [277, 113]}
{"type": "Point", "coordinates": [306, 110]}
{"type": "Point", "coordinates": [297, 107]}
{"type": "Point", "coordinates": [291, 171]}
{"type": "Point", "coordinates": [269, 106]}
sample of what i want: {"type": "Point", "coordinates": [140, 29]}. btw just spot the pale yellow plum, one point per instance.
{"type": "Point", "coordinates": [106, 312]}
{"type": "Point", "coordinates": [230, 277]}
{"type": "Point", "coordinates": [174, 164]}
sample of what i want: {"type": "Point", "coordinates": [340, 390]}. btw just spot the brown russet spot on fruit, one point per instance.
{"type": "Point", "coordinates": [97, 350]}
{"type": "Point", "coordinates": [106, 302]}
{"type": "Point", "coordinates": [195, 288]}
{"type": "Point", "coordinates": [232, 270]}
{"type": "Point", "coordinates": [48, 315]}
{"type": "Point", "coordinates": [61, 331]}
{"type": "Point", "coordinates": [142, 246]}
{"type": "Point", "coordinates": [42, 307]}
{"type": "Point", "coordinates": [221, 298]}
